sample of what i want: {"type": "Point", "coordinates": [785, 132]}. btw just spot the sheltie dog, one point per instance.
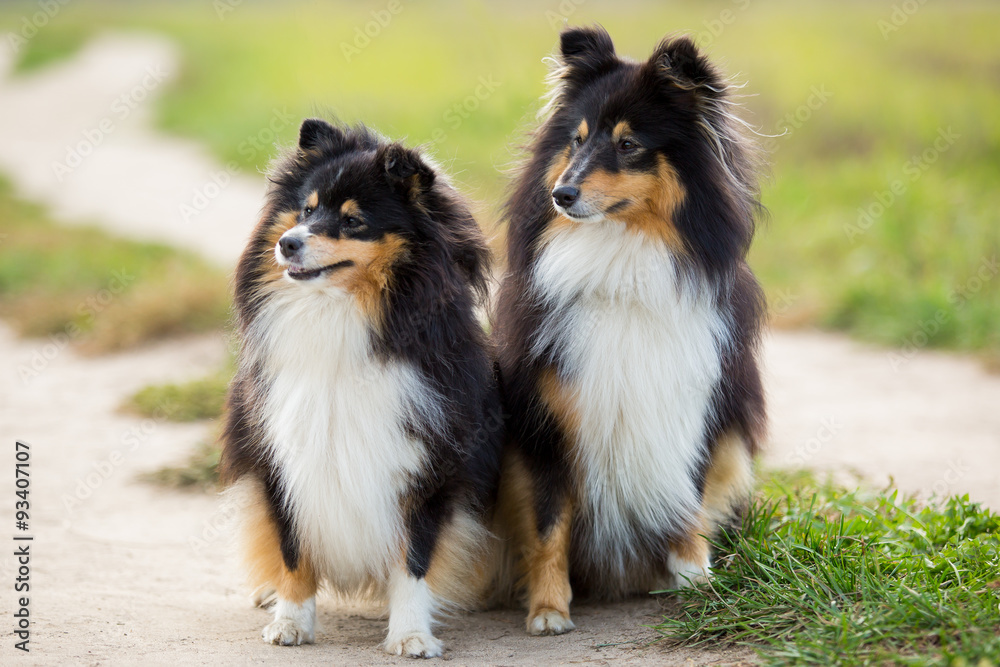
{"type": "Point", "coordinates": [628, 325]}
{"type": "Point", "coordinates": [362, 440]}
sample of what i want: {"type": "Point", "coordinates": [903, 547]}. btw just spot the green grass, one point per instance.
{"type": "Point", "coordinates": [909, 279]}
{"type": "Point", "coordinates": [201, 399]}
{"type": "Point", "coordinates": [199, 473]}
{"type": "Point", "coordinates": [101, 293]}
{"type": "Point", "coordinates": [189, 401]}
{"type": "Point", "coordinates": [822, 575]}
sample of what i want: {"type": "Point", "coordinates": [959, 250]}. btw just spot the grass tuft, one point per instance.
{"type": "Point", "coordinates": [200, 473]}
{"type": "Point", "coordinates": [203, 398]}
{"type": "Point", "coordinates": [186, 402]}
{"type": "Point", "coordinates": [820, 574]}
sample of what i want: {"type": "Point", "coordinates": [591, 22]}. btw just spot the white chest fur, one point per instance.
{"type": "Point", "coordinates": [335, 420]}
{"type": "Point", "coordinates": [640, 351]}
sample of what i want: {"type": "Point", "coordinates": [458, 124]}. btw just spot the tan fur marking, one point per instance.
{"type": "Point", "coordinates": [548, 568]}
{"type": "Point", "coordinates": [313, 200]}
{"type": "Point", "coordinates": [622, 129]}
{"type": "Point", "coordinates": [693, 546]}
{"type": "Point", "coordinates": [261, 550]}
{"type": "Point", "coordinates": [542, 560]}
{"type": "Point", "coordinates": [371, 271]}
{"type": "Point", "coordinates": [583, 130]}
{"type": "Point", "coordinates": [282, 223]}
{"type": "Point", "coordinates": [460, 565]}
{"type": "Point", "coordinates": [351, 208]}
{"type": "Point", "coordinates": [515, 522]}
{"type": "Point", "coordinates": [560, 399]}
{"type": "Point", "coordinates": [728, 480]}
{"type": "Point", "coordinates": [559, 164]}
{"type": "Point", "coordinates": [652, 200]}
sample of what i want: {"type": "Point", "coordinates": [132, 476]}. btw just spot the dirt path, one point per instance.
{"type": "Point", "coordinates": [77, 137]}
{"type": "Point", "coordinates": [125, 573]}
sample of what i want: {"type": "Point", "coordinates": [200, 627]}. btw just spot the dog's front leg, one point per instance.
{"type": "Point", "coordinates": [277, 567]}
{"type": "Point", "coordinates": [411, 611]}
{"type": "Point", "coordinates": [295, 607]}
{"type": "Point", "coordinates": [294, 623]}
{"type": "Point", "coordinates": [411, 601]}
{"type": "Point", "coordinates": [549, 591]}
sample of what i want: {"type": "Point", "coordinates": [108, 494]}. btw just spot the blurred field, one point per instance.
{"type": "Point", "coordinates": [860, 111]}
{"type": "Point", "coordinates": [84, 286]}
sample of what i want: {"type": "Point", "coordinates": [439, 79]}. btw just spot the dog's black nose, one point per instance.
{"type": "Point", "coordinates": [565, 195]}
{"type": "Point", "coordinates": [290, 245]}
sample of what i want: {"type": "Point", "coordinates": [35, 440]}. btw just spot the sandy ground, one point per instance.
{"type": "Point", "coordinates": [125, 573]}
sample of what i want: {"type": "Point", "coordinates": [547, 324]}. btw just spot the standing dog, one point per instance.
{"type": "Point", "coordinates": [628, 325]}
{"type": "Point", "coordinates": [359, 439]}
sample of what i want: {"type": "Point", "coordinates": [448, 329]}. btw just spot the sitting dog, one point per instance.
{"type": "Point", "coordinates": [361, 441]}
{"type": "Point", "coordinates": [628, 326]}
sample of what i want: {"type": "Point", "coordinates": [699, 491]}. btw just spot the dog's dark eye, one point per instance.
{"type": "Point", "coordinates": [578, 140]}
{"type": "Point", "coordinates": [351, 223]}
{"type": "Point", "coordinates": [627, 145]}
{"type": "Point", "coordinates": [308, 210]}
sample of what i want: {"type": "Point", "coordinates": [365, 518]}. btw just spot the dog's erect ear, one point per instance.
{"type": "Point", "coordinates": [318, 134]}
{"type": "Point", "coordinates": [404, 168]}
{"type": "Point", "coordinates": [586, 51]}
{"type": "Point", "coordinates": [680, 64]}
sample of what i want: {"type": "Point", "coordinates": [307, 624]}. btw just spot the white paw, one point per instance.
{"type": "Point", "coordinates": [287, 632]}
{"type": "Point", "coordinates": [688, 574]}
{"type": "Point", "coordinates": [415, 645]}
{"type": "Point", "coordinates": [549, 622]}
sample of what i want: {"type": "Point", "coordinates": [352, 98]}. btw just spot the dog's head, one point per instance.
{"type": "Point", "coordinates": [641, 143]}
{"type": "Point", "coordinates": [358, 211]}
{"type": "Point", "coordinates": [354, 212]}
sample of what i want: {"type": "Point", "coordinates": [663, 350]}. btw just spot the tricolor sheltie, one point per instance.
{"type": "Point", "coordinates": [362, 439]}
{"type": "Point", "coordinates": [628, 325]}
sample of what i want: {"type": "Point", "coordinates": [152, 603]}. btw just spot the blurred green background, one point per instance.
{"type": "Point", "coordinates": [859, 91]}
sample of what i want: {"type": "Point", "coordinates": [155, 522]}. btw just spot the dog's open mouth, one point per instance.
{"type": "Point", "coordinates": [581, 217]}
{"type": "Point", "coordinates": [309, 274]}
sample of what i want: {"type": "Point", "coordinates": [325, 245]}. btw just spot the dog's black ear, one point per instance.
{"type": "Point", "coordinates": [318, 134]}
{"type": "Point", "coordinates": [404, 168]}
{"type": "Point", "coordinates": [586, 51]}
{"type": "Point", "coordinates": [679, 63]}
